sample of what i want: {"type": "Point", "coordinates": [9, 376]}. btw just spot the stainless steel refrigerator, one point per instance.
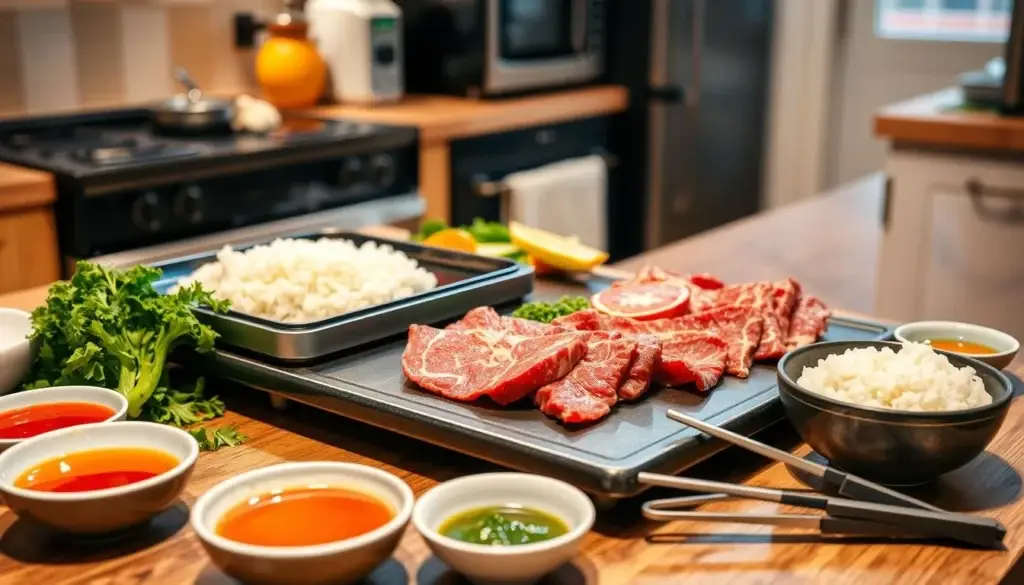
{"type": "Point", "coordinates": [692, 142]}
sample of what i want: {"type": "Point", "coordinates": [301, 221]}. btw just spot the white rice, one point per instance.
{"type": "Point", "coordinates": [915, 378]}
{"type": "Point", "coordinates": [304, 280]}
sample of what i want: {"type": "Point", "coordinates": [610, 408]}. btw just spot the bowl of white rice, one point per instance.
{"type": "Point", "coordinates": [895, 413]}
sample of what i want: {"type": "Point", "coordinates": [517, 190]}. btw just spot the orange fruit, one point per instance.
{"type": "Point", "coordinates": [453, 239]}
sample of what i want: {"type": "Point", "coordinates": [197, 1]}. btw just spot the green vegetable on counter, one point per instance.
{"type": "Point", "coordinates": [213, 439]}
{"type": "Point", "coordinates": [428, 228]}
{"type": "Point", "coordinates": [488, 232]}
{"type": "Point", "coordinates": [114, 329]}
{"type": "Point", "coordinates": [548, 312]}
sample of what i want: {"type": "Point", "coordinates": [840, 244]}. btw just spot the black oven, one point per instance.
{"type": "Point", "coordinates": [485, 48]}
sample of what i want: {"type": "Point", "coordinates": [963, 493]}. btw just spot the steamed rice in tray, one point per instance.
{"type": "Point", "coordinates": [916, 378]}
{"type": "Point", "coordinates": [298, 280]}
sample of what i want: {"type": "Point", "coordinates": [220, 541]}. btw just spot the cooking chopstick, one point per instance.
{"type": "Point", "coordinates": [849, 485]}
{"type": "Point", "coordinates": [979, 531]}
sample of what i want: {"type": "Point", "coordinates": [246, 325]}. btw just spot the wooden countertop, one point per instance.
{"type": "Point", "coordinates": [828, 243]}
{"type": "Point", "coordinates": [445, 117]}
{"type": "Point", "coordinates": [941, 120]}
{"type": "Point", "coordinates": [24, 188]}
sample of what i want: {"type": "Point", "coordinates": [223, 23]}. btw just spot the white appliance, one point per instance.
{"type": "Point", "coordinates": [361, 42]}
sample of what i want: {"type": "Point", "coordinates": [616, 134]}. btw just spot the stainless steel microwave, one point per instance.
{"type": "Point", "coordinates": [482, 48]}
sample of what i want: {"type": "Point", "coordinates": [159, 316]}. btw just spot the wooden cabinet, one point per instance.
{"type": "Point", "coordinates": [28, 249]}
{"type": "Point", "coordinates": [953, 240]}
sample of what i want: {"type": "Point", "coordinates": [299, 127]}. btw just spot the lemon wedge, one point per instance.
{"type": "Point", "coordinates": [453, 239]}
{"type": "Point", "coordinates": [554, 250]}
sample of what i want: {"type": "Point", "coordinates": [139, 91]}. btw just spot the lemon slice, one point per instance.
{"type": "Point", "coordinates": [554, 250]}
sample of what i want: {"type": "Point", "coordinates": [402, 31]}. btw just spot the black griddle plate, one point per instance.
{"type": "Point", "coordinates": [603, 458]}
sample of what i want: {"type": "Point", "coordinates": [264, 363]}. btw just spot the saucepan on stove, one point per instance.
{"type": "Point", "coordinates": [191, 112]}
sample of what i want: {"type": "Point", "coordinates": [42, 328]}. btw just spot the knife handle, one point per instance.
{"type": "Point", "coordinates": [984, 532]}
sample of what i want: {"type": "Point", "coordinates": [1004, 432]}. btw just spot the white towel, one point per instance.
{"type": "Point", "coordinates": [566, 198]}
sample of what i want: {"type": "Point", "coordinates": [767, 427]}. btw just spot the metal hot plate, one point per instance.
{"type": "Point", "coordinates": [603, 458]}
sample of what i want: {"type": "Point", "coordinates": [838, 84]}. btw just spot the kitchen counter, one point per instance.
{"type": "Point", "coordinates": [941, 119]}
{"type": "Point", "coordinates": [441, 119]}
{"type": "Point", "coordinates": [22, 188]}
{"type": "Point", "coordinates": [827, 243]}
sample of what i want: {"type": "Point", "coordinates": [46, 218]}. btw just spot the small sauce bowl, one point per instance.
{"type": "Point", "coordinates": [520, 563]}
{"type": "Point", "coordinates": [343, 561]}
{"type": "Point", "coordinates": [57, 394]}
{"type": "Point", "coordinates": [101, 511]}
{"type": "Point", "coordinates": [16, 351]}
{"type": "Point", "coordinates": [1004, 344]}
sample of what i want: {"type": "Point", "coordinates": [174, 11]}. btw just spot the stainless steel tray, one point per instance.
{"type": "Point", "coordinates": [603, 458]}
{"type": "Point", "coordinates": [464, 281]}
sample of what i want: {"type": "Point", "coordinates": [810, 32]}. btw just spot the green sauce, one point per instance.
{"type": "Point", "coordinates": [503, 526]}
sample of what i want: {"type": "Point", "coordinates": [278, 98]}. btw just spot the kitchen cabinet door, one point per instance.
{"type": "Point", "coordinates": [975, 269]}
{"type": "Point", "coordinates": [28, 249]}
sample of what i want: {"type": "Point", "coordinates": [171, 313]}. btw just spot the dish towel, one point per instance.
{"type": "Point", "coordinates": [566, 198]}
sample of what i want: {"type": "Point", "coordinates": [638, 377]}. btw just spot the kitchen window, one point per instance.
{"type": "Point", "coordinates": [943, 20]}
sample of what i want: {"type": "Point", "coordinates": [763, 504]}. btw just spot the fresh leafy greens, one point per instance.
{"type": "Point", "coordinates": [548, 312]}
{"type": "Point", "coordinates": [114, 329]}
{"type": "Point", "coordinates": [488, 232]}
{"type": "Point", "coordinates": [213, 439]}
{"type": "Point", "coordinates": [428, 228]}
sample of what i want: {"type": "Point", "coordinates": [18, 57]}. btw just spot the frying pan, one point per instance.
{"type": "Point", "coordinates": [190, 112]}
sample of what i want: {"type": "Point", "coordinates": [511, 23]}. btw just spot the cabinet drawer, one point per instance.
{"type": "Point", "coordinates": [975, 268]}
{"type": "Point", "coordinates": [28, 249]}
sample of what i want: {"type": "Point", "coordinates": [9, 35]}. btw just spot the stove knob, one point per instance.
{"type": "Point", "coordinates": [148, 212]}
{"type": "Point", "coordinates": [351, 173]}
{"type": "Point", "coordinates": [382, 170]}
{"type": "Point", "coordinates": [188, 204]}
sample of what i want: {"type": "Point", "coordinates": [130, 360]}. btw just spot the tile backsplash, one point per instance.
{"type": "Point", "coordinates": [95, 55]}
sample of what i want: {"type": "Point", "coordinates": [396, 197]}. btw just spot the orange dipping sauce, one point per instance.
{"type": "Point", "coordinates": [96, 469]}
{"type": "Point", "coordinates": [961, 346]}
{"type": "Point", "coordinates": [303, 516]}
{"type": "Point", "coordinates": [29, 421]}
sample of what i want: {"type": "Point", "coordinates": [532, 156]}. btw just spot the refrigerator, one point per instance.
{"type": "Point", "coordinates": [692, 143]}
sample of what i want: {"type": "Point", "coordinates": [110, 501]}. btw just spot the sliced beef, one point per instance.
{"type": "Point", "coordinates": [740, 326]}
{"type": "Point", "coordinates": [589, 391]}
{"type": "Point", "coordinates": [469, 364]}
{"type": "Point", "coordinates": [488, 318]}
{"type": "Point", "coordinates": [641, 371]}
{"type": "Point", "coordinates": [785, 295]}
{"type": "Point", "coordinates": [688, 355]}
{"type": "Point", "coordinates": [809, 322]}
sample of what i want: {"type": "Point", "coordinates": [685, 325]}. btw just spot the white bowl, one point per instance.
{"type": "Point", "coordinates": [93, 394]}
{"type": "Point", "coordinates": [1006, 345]}
{"type": "Point", "coordinates": [15, 348]}
{"type": "Point", "coordinates": [98, 511]}
{"type": "Point", "coordinates": [524, 563]}
{"type": "Point", "coordinates": [344, 561]}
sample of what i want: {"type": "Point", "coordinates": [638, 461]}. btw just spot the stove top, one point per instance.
{"type": "Point", "coordinates": [103, 144]}
{"type": "Point", "coordinates": [121, 184]}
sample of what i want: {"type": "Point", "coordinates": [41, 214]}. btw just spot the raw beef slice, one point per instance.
{"type": "Point", "coordinates": [589, 391]}
{"type": "Point", "coordinates": [810, 320]}
{"type": "Point", "coordinates": [740, 326]}
{"type": "Point", "coordinates": [688, 355]}
{"type": "Point", "coordinates": [641, 371]}
{"type": "Point", "coordinates": [467, 365]}
{"type": "Point", "coordinates": [488, 318]}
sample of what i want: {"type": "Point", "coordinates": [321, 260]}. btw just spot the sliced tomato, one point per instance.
{"type": "Point", "coordinates": [643, 301]}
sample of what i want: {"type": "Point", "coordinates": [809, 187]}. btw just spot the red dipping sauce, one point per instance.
{"type": "Point", "coordinates": [29, 421]}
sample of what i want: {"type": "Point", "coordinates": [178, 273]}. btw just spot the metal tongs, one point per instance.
{"type": "Point", "coordinates": [869, 509]}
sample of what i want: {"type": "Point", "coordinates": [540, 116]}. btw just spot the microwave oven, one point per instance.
{"type": "Point", "coordinates": [488, 48]}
